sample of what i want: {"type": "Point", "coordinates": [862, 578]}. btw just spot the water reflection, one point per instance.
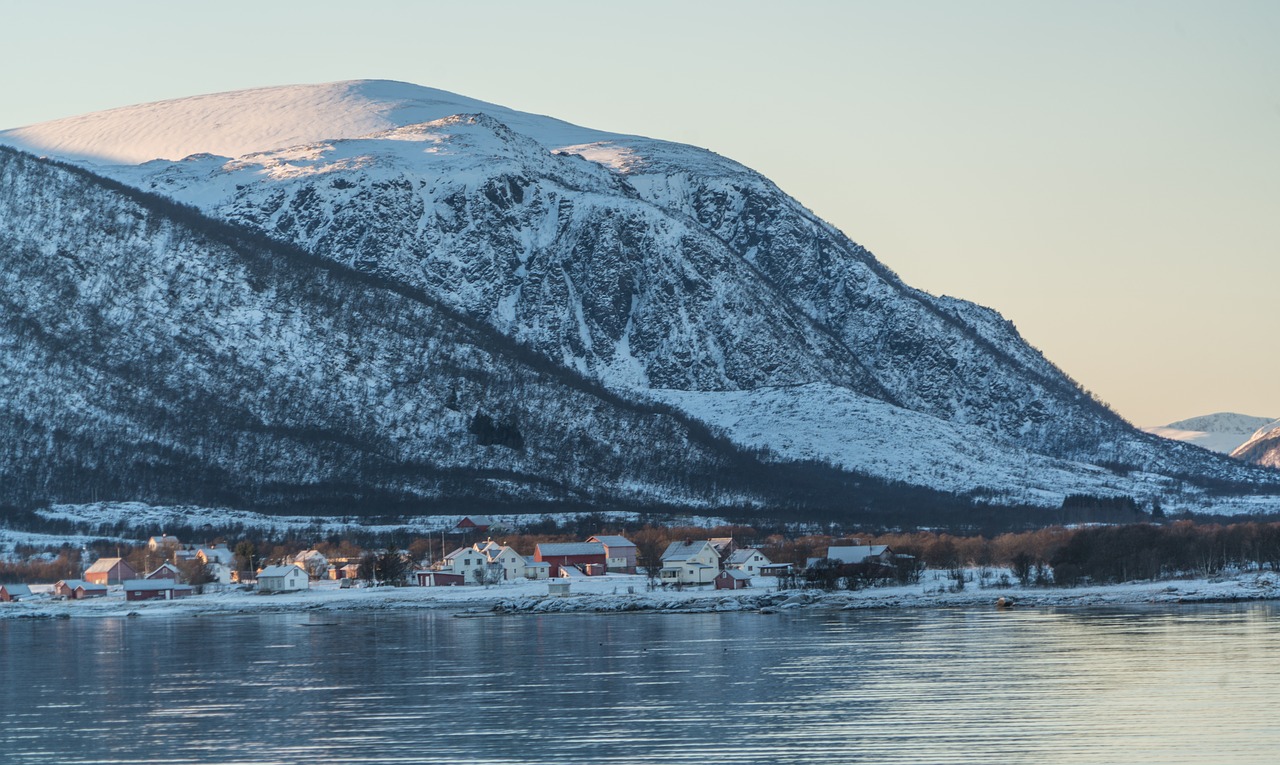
{"type": "Point", "coordinates": [1036, 686]}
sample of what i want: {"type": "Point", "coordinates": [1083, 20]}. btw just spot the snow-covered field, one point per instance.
{"type": "Point", "coordinates": [617, 593]}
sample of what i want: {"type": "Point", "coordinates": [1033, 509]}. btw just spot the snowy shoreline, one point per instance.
{"type": "Point", "coordinates": [628, 594]}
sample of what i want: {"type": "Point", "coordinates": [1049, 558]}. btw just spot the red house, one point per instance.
{"type": "Point", "coordinates": [78, 589]}
{"type": "Point", "coordinates": [166, 571]}
{"type": "Point", "coordinates": [109, 571]}
{"type": "Point", "coordinates": [472, 523]}
{"type": "Point", "coordinates": [590, 557]}
{"type": "Point", "coordinates": [732, 579]}
{"type": "Point", "coordinates": [155, 589]}
{"type": "Point", "coordinates": [439, 579]}
{"type": "Point", "coordinates": [12, 592]}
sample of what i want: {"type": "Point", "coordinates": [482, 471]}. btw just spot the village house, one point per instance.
{"type": "Point", "coordinates": [511, 562]}
{"type": "Point", "coordinates": [689, 562]}
{"type": "Point", "coordinates": [10, 593]}
{"type": "Point", "coordinates": [467, 562]}
{"type": "Point", "coordinates": [587, 557]}
{"type": "Point", "coordinates": [165, 571]}
{"type": "Point", "coordinates": [155, 589]}
{"type": "Point", "coordinates": [164, 542]}
{"type": "Point", "coordinates": [78, 589]}
{"type": "Point", "coordinates": [313, 562]}
{"type": "Point", "coordinates": [748, 560]}
{"type": "Point", "coordinates": [216, 554]}
{"type": "Point", "coordinates": [345, 571]}
{"type": "Point", "coordinates": [619, 553]}
{"type": "Point", "coordinates": [854, 554]}
{"type": "Point", "coordinates": [282, 579]}
{"type": "Point", "coordinates": [472, 524]}
{"type": "Point", "coordinates": [724, 546]}
{"type": "Point", "coordinates": [732, 579]}
{"type": "Point", "coordinates": [109, 571]}
{"type": "Point", "coordinates": [536, 569]}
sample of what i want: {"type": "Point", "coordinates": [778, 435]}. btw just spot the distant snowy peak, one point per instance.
{"type": "Point", "coordinates": [1263, 448]}
{"type": "Point", "coordinates": [244, 122]}
{"type": "Point", "coordinates": [1221, 432]}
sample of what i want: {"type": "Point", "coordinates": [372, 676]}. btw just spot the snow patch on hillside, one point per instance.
{"type": "Point", "coordinates": [832, 424]}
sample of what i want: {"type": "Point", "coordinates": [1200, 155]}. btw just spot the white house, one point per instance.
{"type": "Point", "coordinates": [282, 579]}
{"type": "Point", "coordinates": [689, 562]}
{"type": "Point", "coordinates": [313, 562]}
{"type": "Point", "coordinates": [512, 562]}
{"type": "Point", "coordinates": [467, 561]}
{"type": "Point", "coordinates": [216, 554]}
{"type": "Point", "coordinates": [747, 560]}
{"type": "Point", "coordinates": [537, 569]}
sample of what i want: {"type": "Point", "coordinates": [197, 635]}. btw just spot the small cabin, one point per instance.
{"type": "Point", "coordinates": [155, 589]}
{"type": "Point", "coordinates": [439, 579]}
{"type": "Point", "coordinates": [732, 579]}
{"type": "Point", "coordinates": [14, 592]}
{"type": "Point", "coordinates": [78, 589]}
{"type": "Point", "coordinates": [282, 579]}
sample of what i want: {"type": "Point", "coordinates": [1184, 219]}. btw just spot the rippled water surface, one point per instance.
{"type": "Point", "coordinates": [1192, 685]}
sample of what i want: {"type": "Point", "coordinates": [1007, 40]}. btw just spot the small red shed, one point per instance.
{"type": "Point", "coordinates": [439, 579]}
{"type": "Point", "coordinates": [732, 579]}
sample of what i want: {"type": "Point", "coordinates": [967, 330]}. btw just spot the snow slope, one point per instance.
{"type": "Point", "coordinates": [1263, 447]}
{"type": "Point", "coordinates": [242, 122]}
{"type": "Point", "coordinates": [1222, 432]}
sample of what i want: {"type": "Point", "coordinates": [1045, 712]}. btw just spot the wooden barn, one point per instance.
{"type": "Point", "coordinates": [587, 556]}
{"type": "Point", "coordinates": [109, 571]}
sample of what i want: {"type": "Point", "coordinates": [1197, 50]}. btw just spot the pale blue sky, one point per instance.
{"type": "Point", "coordinates": [1105, 174]}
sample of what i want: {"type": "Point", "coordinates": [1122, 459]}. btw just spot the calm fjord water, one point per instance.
{"type": "Point", "coordinates": [1190, 685]}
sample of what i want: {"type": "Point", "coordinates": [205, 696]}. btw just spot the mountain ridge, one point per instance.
{"type": "Point", "coordinates": [666, 273]}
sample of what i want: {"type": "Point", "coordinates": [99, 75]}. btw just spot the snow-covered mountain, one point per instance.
{"type": "Point", "coordinates": [1263, 447]}
{"type": "Point", "coordinates": [661, 271]}
{"type": "Point", "coordinates": [1222, 432]}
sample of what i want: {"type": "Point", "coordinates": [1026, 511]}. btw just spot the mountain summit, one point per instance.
{"type": "Point", "coordinates": [664, 273]}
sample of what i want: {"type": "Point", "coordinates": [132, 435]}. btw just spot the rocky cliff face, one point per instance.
{"type": "Point", "coordinates": [148, 352]}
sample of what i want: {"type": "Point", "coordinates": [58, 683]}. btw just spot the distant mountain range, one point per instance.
{"type": "Point", "coordinates": [372, 294]}
{"type": "Point", "coordinates": [1222, 432]}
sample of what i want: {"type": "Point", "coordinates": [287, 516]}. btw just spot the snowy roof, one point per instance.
{"type": "Point", "coordinates": [613, 541]}
{"type": "Point", "coordinates": [274, 571]}
{"type": "Point", "coordinates": [684, 551]}
{"type": "Point", "coordinates": [571, 548]}
{"type": "Point", "coordinates": [569, 572]}
{"type": "Point", "coordinates": [103, 565]}
{"type": "Point", "coordinates": [743, 555]}
{"type": "Point", "coordinates": [16, 589]}
{"type": "Point", "coordinates": [462, 552]}
{"type": "Point", "coordinates": [219, 554]}
{"type": "Point", "coordinates": [77, 583]}
{"type": "Point", "coordinates": [735, 573]}
{"type": "Point", "coordinates": [153, 585]}
{"type": "Point", "coordinates": [538, 563]}
{"type": "Point", "coordinates": [855, 553]}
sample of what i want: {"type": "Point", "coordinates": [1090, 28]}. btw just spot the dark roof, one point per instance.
{"type": "Point", "coordinates": [571, 548]}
